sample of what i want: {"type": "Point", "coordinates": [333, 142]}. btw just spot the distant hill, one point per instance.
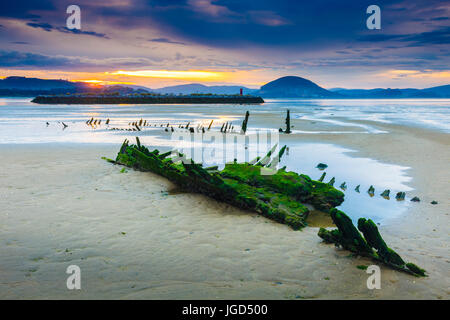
{"type": "Point", "coordinates": [380, 93]}
{"type": "Point", "coordinates": [285, 87]}
{"type": "Point", "coordinates": [441, 91]}
{"type": "Point", "coordinates": [294, 87]}
{"type": "Point", "coordinates": [29, 87]}
{"type": "Point", "coordinates": [23, 83]}
{"type": "Point", "coordinates": [22, 86]}
{"type": "Point", "coordinates": [200, 88]}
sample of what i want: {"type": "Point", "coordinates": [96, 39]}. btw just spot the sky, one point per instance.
{"type": "Point", "coordinates": [232, 42]}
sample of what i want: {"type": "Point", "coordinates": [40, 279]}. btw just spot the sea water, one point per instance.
{"type": "Point", "coordinates": [24, 122]}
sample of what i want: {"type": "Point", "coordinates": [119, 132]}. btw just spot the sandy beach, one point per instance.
{"type": "Point", "coordinates": [203, 152]}
{"type": "Point", "coordinates": [135, 236]}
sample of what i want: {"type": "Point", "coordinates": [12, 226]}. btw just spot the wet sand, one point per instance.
{"type": "Point", "coordinates": [133, 237]}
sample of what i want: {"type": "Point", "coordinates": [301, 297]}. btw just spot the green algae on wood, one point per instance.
{"type": "Point", "coordinates": [400, 196]}
{"type": "Point", "coordinates": [331, 182]}
{"type": "Point", "coordinates": [369, 244]}
{"type": "Point", "coordinates": [385, 193]}
{"type": "Point", "coordinates": [371, 191]}
{"type": "Point", "coordinates": [322, 176]}
{"type": "Point", "coordinates": [322, 166]}
{"type": "Point", "coordinates": [280, 195]}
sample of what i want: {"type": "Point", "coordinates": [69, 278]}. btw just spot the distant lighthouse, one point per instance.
{"type": "Point", "coordinates": [240, 92]}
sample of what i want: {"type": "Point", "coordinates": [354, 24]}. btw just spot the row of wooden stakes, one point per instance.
{"type": "Point", "coordinates": [96, 122]}
{"type": "Point", "coordinates": [400, 196]}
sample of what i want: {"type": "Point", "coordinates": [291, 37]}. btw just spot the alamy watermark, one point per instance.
{"type": "Point", "coordinates": [216, 148]}
{"type": "Point", "coordinates": [374, 20]}
{"type": "Point", "coordinates": [74, 280]}
{"type": "Point", "coordinates": [373, 281]}
{"type": "Point", "coordinates": [74, 20]}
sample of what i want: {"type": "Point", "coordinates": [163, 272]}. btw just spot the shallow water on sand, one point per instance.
{"type": "Point", "coordinates": [25, 122]}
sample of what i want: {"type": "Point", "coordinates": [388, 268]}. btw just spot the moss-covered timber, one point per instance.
{"type": "Point", "coordinates": [245, 122]}
{"type": "Point", "coordinates": [369, 244]}
{"type": "Point", "coordinates": [288, 123]}
{"type": "Point", "coordinates": [279, 196]}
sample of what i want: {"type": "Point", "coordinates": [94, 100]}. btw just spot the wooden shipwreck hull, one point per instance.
{"type": "Point", "coordinates": [280, 195]}
{"type": "Point", "coordinates": [368, 244]}
{"type": "Point", "coordinates": [276, 194]}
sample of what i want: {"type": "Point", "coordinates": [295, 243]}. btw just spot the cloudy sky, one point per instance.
{"type": "Point", "coordinates": [164, 42]}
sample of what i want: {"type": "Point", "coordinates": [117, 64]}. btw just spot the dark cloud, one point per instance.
{"type": "Point", "coordinates": [29, 60]}
{"type": "Point", "coordinates": [440, 18]}
{"type": "Point", "coordinates": [76, 31]}
{"type": "Point", "coordinates": [48, 27]}
{"type": "Point", "coordinates": [238, 23]}
{"type": "Point", "coordinates": [438, 36]}
{"type": "Point", "coordinates": [379, 37]}
{"type": "Point", "coordinates": [165, 40]}
{"type": "Point", "coordinates": [24, 9]}
{"type": "Point", "coordinates": [271, 23]}
{"type": "Point", "coordinates": [335, 30]}
{"type": "Point", "coordinates": [43, 26]}
{"type": "Point", "coordinates": [26, 59]}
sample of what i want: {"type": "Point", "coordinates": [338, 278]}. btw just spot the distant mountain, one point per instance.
{"type": "Point", "coordinates": [294, 87]}
{"type": "Point", "coordinates": [130, 86]}
{"type": "Point", "coordinates": [33, 83]}
{"type": "Point", "coordinates": [285, 87]}
{"type": "Point", "coordinates": [123, 89]}
{"type": "Point", "coordinates": [442, 91]}
{"type": "Point", "coordinates": [297, 87]}
{"type": "Point", "coordinates": [380, 93]}
{"type": "Point", "coordinates": [200, 88]}
{"type": "Point", "coordinates": [22, 86]}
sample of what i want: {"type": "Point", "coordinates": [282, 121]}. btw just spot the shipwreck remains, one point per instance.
{"type": "Point", "coordinates": [245, 122]}
{"type": "Point", "coordinates": [400, 196]}
{"type": "Point", "coordinates": [331, 182]}
{"type": "Point", "coordinates": [288, 124]}
{"type": "Point", "coordinates": [385, 194]}
{"type": "Point", "coordinates": [279, 195]}
{"type": "Point", "coordinates": [322, 176]}
{"type": "Point", "coordinates": [322, 166]}
{"type": "Point", "coordinates": [369, 244]}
